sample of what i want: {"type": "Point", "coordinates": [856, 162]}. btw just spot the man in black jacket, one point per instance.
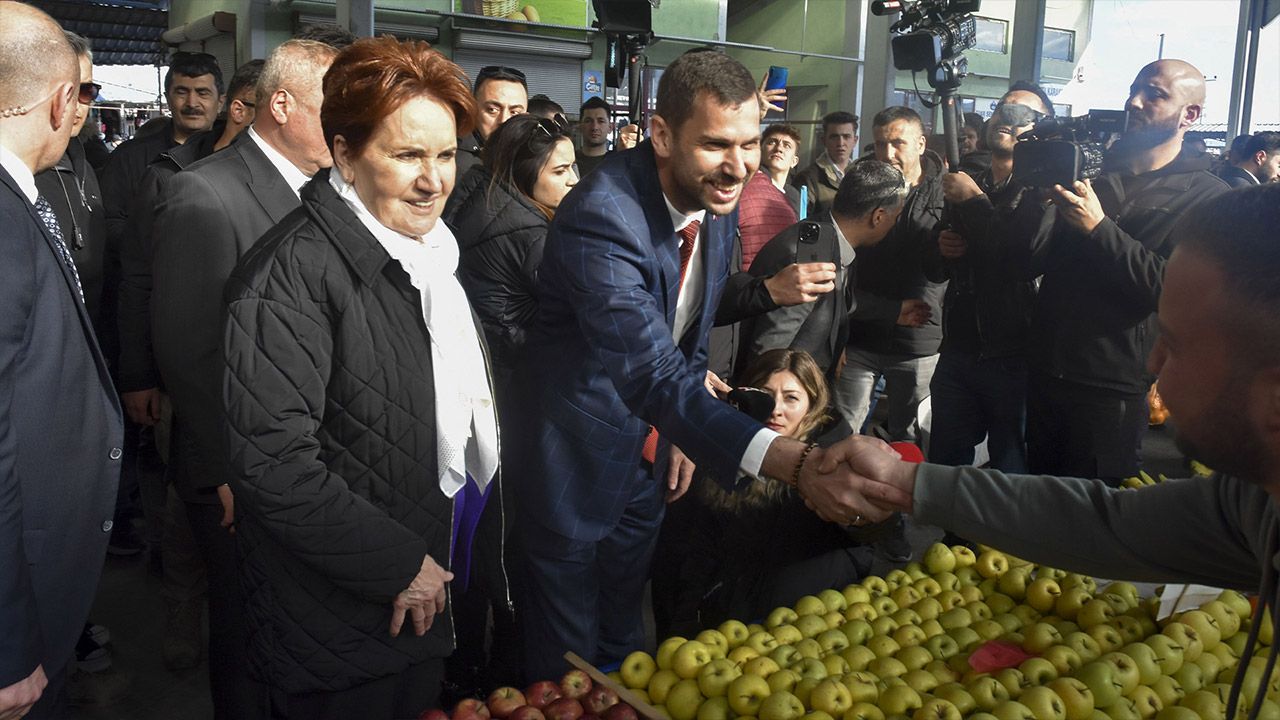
{"type": "Point", "coordinates": [1102, 274]}
{"type": "Point", "coordinates": [866, 207]}
{"type": "Point", "coordinates": [979, 388]}
{"type": "Point", "coordinates": [1259, 162]}
{"type": "Point", "coordinates": [501, 92]}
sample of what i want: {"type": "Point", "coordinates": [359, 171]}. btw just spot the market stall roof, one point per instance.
{"type": "Point", "coordinates": [122, 32]}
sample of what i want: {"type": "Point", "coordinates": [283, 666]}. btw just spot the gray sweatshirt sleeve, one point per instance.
{"type": "Point", "coordinates": [1199, 530]}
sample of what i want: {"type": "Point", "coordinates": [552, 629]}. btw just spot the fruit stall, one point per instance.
{"type": "Point", "coordinates": [962, 634]}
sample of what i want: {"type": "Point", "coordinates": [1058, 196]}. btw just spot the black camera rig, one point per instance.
{"type": "Point", "coordinates": [1060, 152]}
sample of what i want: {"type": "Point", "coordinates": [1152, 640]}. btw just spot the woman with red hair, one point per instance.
{"type": "Point", "coordinates": [361, 416]}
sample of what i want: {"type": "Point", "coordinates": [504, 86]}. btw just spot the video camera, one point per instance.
{"type": "Point", "coordinates": [1060, 152]}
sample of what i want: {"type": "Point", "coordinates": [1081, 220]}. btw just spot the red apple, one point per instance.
{"type": "Point", "coordinates": [564, 709]}
{"type": "Point", "coordinates": [528, 712]}
{"type": "Point", "coordinates": [504, 700]}
{"type": "Point", "coordinates": [470, 709]}
{"type": "Point", "coordinates": [621, 711]}
{"type": "Point", "coordinates": [433, 714]}
{"type": "Point", "coordinates": [542, 693]}
{"type": "Point", "coordinates": [599, 699]}
{"type": "Point", "coordinates": [575, 684]}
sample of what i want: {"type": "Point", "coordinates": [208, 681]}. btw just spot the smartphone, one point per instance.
{"type": "Point", "coordinates": [776, 79]}
{"type": "Point", "coordinates": [811, 248]}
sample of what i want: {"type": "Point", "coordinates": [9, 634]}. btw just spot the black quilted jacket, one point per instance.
{"type": "Point", "coordinates": [331, 416]}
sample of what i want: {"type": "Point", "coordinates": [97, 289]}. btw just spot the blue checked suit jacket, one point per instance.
{"type": "Point", "coordinates": [602, 365]}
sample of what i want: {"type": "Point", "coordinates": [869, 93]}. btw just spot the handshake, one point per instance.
{"type": "Point", "coordinates": [856, 481]}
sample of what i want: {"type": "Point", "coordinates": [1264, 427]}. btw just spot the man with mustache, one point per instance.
{"type": "Point", "coordinates": [613, 384]}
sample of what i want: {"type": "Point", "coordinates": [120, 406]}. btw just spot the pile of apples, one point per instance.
{"type": "Point", "coordinates": [575, 697]}
{"type": "Point", "coordinates": [982, 636]}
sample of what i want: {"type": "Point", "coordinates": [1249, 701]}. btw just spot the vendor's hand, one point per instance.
{"type": "Point", "coordinates": [770, 99]}
{"type": "Point", "coordinates": [952, 245]}
{"type": "Point", "coordinates": [914, 313]}
{"type": "Point", "coordinates": [142, 406]}
{"type": "Point", "coordinates": [228, 508]}
{"type": "Point", "coordinates": [629, 136]}
{"type": "Point", "coordinates": [1079, 206]}
{"type": "Point", "coordinates": [422, 600]}
{"type": "Point", "coordinates": [679, 475]}
{"type": "Point", "coordinates": [958, 187]}
{"type": "Point", "coordinates": [832, 489]}
{"type": "Point", "coordinates": [800, 283]}
{"type": "Point", "coordinates": [886, 480]}
{"type": "Point", "coordinates": [16, 700]}
{"type": "Point", "coordinates": [715, 385]}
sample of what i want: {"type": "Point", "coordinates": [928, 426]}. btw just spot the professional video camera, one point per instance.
{"type": "Point", "coordinates": [930, 36]}
{"type": "Point", "coordinates": [1060, 152]}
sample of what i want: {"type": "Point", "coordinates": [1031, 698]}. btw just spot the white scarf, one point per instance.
{"type": "Point", "coordinates": [464, 401]}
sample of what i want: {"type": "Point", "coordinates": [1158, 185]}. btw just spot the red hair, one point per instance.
{"type": "Point", "coordinates": [375, 76]}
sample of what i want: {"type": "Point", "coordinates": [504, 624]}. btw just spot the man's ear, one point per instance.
{"type": "Point", "coordinates": [1191, 114]}
{"type": "Point", "coordinates": [62, 108]}
{"type": "Point", "coordinates": [661, 136]}
{"type": "Point", "coordinates": [281, 106]}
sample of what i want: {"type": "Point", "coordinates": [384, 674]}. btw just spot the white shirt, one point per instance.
{"type": "Point", "coordinates": [688, 303]}
{"type": "Point", "coordinates": [290, 172]}
{"type": "Point", "coordinates": [20, 173]}
{"type": "Point", "coordinates": [847, 252]}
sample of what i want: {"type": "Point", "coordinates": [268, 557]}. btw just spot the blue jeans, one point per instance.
{"type": "Point", "coordinates": [975, 398]}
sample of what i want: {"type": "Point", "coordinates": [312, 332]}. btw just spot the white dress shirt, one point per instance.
{"type": "Point", "coordinates": [688, 303]}
{"type": "Point", "coordinates": [290, 172]}
{"type": "Point", "coordinates": [20, 173]}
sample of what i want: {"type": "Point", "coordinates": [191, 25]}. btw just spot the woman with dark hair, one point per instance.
{"type": "Point", "coordinates": [738, 554]}
{"type": "Point", "coordinates": [528, 169]}
{"type": "Point", "coordinates": [361, 419]}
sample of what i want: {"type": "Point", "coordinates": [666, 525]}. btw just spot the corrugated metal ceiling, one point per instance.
{"type": "Point", "coordinates": [123, 32]}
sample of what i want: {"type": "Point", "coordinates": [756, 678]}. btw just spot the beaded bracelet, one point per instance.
{"type": "Point", "coordinates": [795, 475]}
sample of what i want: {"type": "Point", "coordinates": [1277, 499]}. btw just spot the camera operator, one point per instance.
{"type": "Point", "coordinates": [979, 388]}
{"type": "Point", "coordinates": [1102, 273]}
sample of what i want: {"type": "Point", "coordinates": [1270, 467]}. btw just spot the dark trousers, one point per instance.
{"type": "Point", "coordinates": [235, 694]}
{"type": "Point", "coordinates": [404, 695]}
{"type": "Point", "coordinates": [1078, 431]}
{"type": "Point", "coordinates": [974, 399]}
{"type": "Point", "coordinates": [588, 596]}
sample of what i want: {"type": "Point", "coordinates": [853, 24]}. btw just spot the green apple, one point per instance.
{"type": "Point", "coordinates": [833, 599]}
{"type": "Point", "coordinates": [1013, 680]}
{"type": "Point", "coordinates": [1065, 660]}
{"type": "Point", "coordinates": [1026, 614]}
{"type": "Point", "coordinates": [857, 631]}
{"type": "Point", "coordinates": [1146, 659]}
{"type": "Point", "coordinates": [1009, 621]}
{"type": "Point", "coordinates": [1126, 671]}
{"type": "Point", "coordinates": [1146, 701]}
{"type": "Point", "coordinates": [763, 642]}
{"type": "Point", "coordinates": [858, 657]}
{"type": "Point", "coordinates": [832, 697]}
{"type": "Point", "coordinates": [1123, 709]}
{"type": "Point", "coordinates": [909, 635]}
{"type": "Point", "coordinates": [922, 681]}
{"type": "Point", "coordinates": [954, 618]}
{"type": "Point", "coordinates": [1040, 637]}
{"type": "Point", "coordinates": [1037, 671]}
{"type": "Point", "coordinates": [1094, 613]}
{"type": "Point", "coordinates": [1190, 677]}
{"type": "Point", "coordinates": [832, 641]}
{"type": "Point", "coordinates": [1185, 637]}
{"type": "Point", "coordinates": [1068, 604]}
{"type": "Point", "coordinates": [915, 657]}
{"type": "Point", "coordinates": [735, 631]}
{"type": "Point", "coordinates": [683, 700]}
{"type": "Point", "coordinates": [1083, 643]}
{"type": "Point", "coordinates": [967, 575]}
{"type": "Point", "coordinates": [855, 594]}
{"type": "Point", "coordinates": [715, 676]}
{"type": "Point", "coordinates": [927, 609]}
{"type": "Point", "coordinates": [1012, 710]}
{"type": "Point", "coordinates": [885, 624]}
{"type": "Point", "coordinates": [1169, 653]}
{"type": "Point", "coordinates": [809, 647]}
{"type": "Point", "coordinates": [988, 629]}
{"type": "Point", "coordinates": [887, 667]}
{"type": "Point", "coordinates": [804, 687]}
{"type": "Point", "coordinates": [1000, 603]}
{"type": "Point", "coordinates": [1014, 582]}
{"type": "Point", "coordinates": [863, 686]}
{"type": "Point", "coordinates": [942, 647]}
{"type": "Point", "coordinates": [637, 669]}
{"type": "Point", "coordinates": [932, 628]}
{"type": "Point", "coordinates": [907, 616]}
{"type": "Point", "coordinates": [1205, 704]}
{"type": "Point", "coordinates": [1205, 625]}
{"type": "Point", "coordinates": [1076, 697]}
{"type": "Point", "coordinates": [810, 668]}
{"type": "Point", "coordinates": [883, 645]}
{"type": "Point", "coordinates": [900, 700]}
{"type": "Point", "coordinates": [979, 610]}
{"type": "Point", "coordinates": [1107, 637]}
{"type": "Point", "coordinates": [937, 709]}
{"type": "Point", "coordinates": [716, 708]}
{"type": "Point", "coordinates": [991, 564]}
{"type": "Point", "coordinates": [905, 596]}
{"type": "Point", "coordinates": [741, 654]}
{"type": "Point", "coordinates": [836, 665]}
{"type": "Point", "coordinates": [1169, 690]}
{"type": "Point", "coordinates": [897, 577]}
{"type": "Point", "coordinates": [762, 667]}
{"type": "Point", "coordinates": [746, 693]}
{"type": "Point", "coordinates": [1227, 618]}
{"type": "Point", "coordinates": [785, 655]}
{"type": "Point", "coordinates": [861, 611]}
{"type": "Point", "coordinates": [965, 557]}
{"type": "Point", "coordinates": [1254, 681]}
{"type": "Point", "coordinates": [781, 706]}
{"type": "Point", "coordinates": [1177, 712]}
{"type": "Point", "coordinates": [1119, 603]}
{"type": "Point", "coordinates": [965, 637]}
{"type": "Point", "coordinates": [988, 692]}
{"type": "Point", "coordinates": [1042, 594]}
{"type": "Point", "coordinates": [945, 580]}
{"type": "Point", "coordinates": [1066, 627]}
{"type": "Point", "coordinates": [1237, 602]}
{"type": "Point", "coordinates": [1044, 703]}
{"type": "Point", "coordinates": [950, 599]}
{"type": "Point", "coordinates": [810, 625]}
{"type": "Point", "coordinates": [716, 642]}
{"type": "Point", "coordinates": [875, 585]}
{"type": "Point", "coordinates": [1144, 617]}
{"type": "Point", "coordinates": [666, 650]}
{"type": "Point", "coordinates": [784, 679]}
{"type": "Point", "coordinates": [1087, 582]}
{"type": "Point", "coordinates": [1211, 666]}
{"type": "Point", "coordinates": [1130, 628]}
{"type": "Point", "coordinates": [780, 616]}
{"type": "Point", "coordinates": [1100, 678]}
{"type": "Point", "coordinates": [930, 587]}
{"type": "Point", "coordinates": [660, 684]}
{"type": "Point", "coordinates": [810, 605]}
{"type": "Point", "coordinates": [863, 711]}
{"type": "Point", "coordinates": [957, 695]}
{"type": "Point", "coordinates": [787, 634]}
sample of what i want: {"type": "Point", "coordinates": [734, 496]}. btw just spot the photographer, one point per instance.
{"type": "Point", "coordinates": [1102, 275]}
{"type": "Point", "coordinates": [979, 388]}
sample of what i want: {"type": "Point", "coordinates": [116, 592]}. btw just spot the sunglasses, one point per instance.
{"type": "Point", "coordinates": [552, 129]}
{"type": "Point", "coordinates": [89, 92]}
{"type": "Point", "coordinates": [1015, 115]}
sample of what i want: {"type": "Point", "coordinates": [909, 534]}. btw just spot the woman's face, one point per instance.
{"type": "Point", "coordinates": [791, 402]}
{"type": "Point", "coordinates": [406, 172]}
{"type": "Point", "coordinates": [557, 175]}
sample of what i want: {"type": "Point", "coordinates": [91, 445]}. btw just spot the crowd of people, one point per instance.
{"type": "Point", "coordinates": [415, 393]}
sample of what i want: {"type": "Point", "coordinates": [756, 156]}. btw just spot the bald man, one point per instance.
{"type": "Point", "coordinates": [56, 495]}
{"type": "Point", "coordinates": [1103, 269]}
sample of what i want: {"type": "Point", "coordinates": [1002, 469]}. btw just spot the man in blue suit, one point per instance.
{"type": "Point", "coordinates": [60, 423]}
{"type": "Point", "coordinates": [634, 265]}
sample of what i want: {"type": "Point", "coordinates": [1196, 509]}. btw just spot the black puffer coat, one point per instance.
{"type": "Point", "coordinates": [331, 423]}
{"type": "Point", "coordinates": [500, 235]}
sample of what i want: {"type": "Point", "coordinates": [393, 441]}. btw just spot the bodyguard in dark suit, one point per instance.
{"type": "Point", "coordinates": [865, 208]}
{"type": "Point", "coordinates": [209, 216]}
{"type": "Point", "coordinates": [634, 264]}
{"type": "Point", "coordinates": [56, 494]}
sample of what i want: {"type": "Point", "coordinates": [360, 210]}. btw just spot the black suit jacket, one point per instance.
{"type": "Point", "coordinates": [209, 215]}
{"type": "Point", "coordinates": [61, 435]}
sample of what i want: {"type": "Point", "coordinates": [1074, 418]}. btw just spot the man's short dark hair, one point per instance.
{"type": "Point", "coordinates": [193, 65]}
{"type": "Point", "coordinates": [544, 107]}
{"type": "Point", "coordinates": [894, 113]}
{"type": "Point", "coordinates": [1034, 89]}
{"type": "Point", "coordinates": [246, 77]}
{"type": "Point", "coordinates": [1236, 231]}
{"type": "Point", "coordinates": [1268, 142]}
{"type": "Point", "coordinates": [499, 72]}
{"type": "Point", "coordinates": [726, 80]}
{"type": "Point", "coordinates": [1235, 153]}
{"type": "Point", "coordinates": [781, 129]}
{"type": "Point", "coordinates": [868, 185]}
{"type": "Point", "coordinates": [594, 103]}
{"type": "Point", "coordinates": [334, 36]}
{"type": "Point", "coordinates": [839, 117]}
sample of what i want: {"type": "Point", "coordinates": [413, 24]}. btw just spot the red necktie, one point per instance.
{"type": "Point", "coordinates": [688, 237]}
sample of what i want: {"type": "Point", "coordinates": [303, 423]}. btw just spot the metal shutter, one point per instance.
{"type": "Point", "coordinates": [558, 78]}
